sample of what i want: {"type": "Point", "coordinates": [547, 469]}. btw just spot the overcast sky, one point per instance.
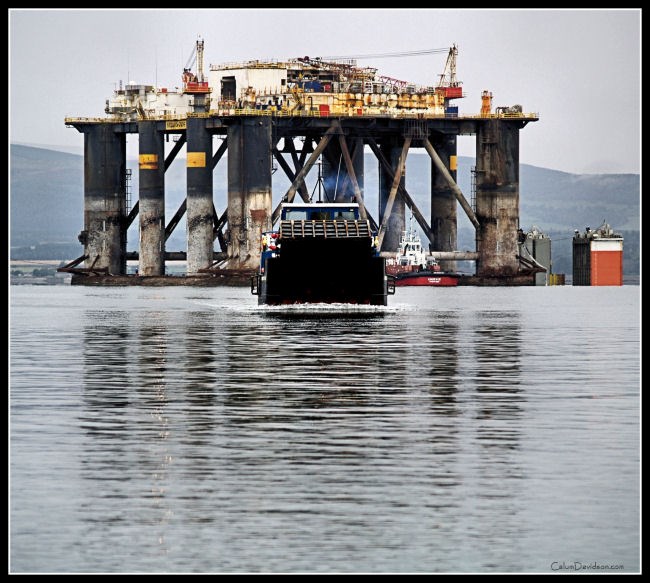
{"type": "Point", "coordinates": [580, 69]}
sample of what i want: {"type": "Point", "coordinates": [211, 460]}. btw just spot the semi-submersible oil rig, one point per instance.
{"type": "Point", "coordinates": [295, 115]}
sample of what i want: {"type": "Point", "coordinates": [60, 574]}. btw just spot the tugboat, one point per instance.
{"type": "Point", "coordinates": [322, 253]}
{"type": "Point", "coordinates": [412, 266]}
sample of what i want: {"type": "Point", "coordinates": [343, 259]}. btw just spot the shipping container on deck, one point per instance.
{"type": "Point", "coordinates": [451, 111]}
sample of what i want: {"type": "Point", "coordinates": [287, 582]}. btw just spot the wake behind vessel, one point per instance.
{"type": "Point", "coordinates": [322, 252]}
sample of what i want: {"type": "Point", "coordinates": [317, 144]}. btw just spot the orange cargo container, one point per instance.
{"type": "Point", "coordinates": [607, 262]}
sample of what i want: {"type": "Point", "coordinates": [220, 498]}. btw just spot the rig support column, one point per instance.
{"type": "Point", "coordinates": [104, 235]}
{"type": "Point", "coordinates": [497, 198]}
{"type": "Point", "coordinates": [152, 199]}
{"type": "Point", "coordinates": [249, 189]}
{"type": "Point", "coordinates": [397, 221]}
{"type": "Point", "coordinates": [200, 205]}
{"type": "Point", "coordinates": [335, 175]}
{"type": "Point", "coordinates": [443, 201]}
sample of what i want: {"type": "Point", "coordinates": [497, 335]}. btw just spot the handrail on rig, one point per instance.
{"type": "Point", "coordinates": [273, 112]}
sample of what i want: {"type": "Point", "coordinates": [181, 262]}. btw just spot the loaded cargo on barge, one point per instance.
{"type": "Point", "coordinates": [598, 257]}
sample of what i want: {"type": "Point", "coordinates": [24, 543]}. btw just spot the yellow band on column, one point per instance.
{"type": "Point", "coordinates": [148, 161]}
{"type": "Point", "coordinates": [196, 159]}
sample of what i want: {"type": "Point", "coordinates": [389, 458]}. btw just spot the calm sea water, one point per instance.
{"type": "Point", "coordinates": [457, 430]}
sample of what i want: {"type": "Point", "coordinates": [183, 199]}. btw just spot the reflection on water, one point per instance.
{"type": "Point", "coordinates": [497, 409]}
{"type": "Point", "coordinates": [218, 438]}
{"type": "Point", "coordinates": [498, 366]}
{"type": "Point", "coordinates": [283, 416]}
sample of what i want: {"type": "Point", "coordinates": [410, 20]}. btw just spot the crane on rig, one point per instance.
{"type": "Point", "coordinates": [448, 84]}
{"type": "Point", "coordinates": [195, 83]}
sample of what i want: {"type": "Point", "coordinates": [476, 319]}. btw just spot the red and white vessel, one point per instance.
{"type": "Point", "coordinates": [412, 266]}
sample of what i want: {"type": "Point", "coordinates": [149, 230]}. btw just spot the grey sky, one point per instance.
{"type": "Point", "coordinates": [580, 69]}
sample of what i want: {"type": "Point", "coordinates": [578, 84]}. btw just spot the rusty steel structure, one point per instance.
{"type": "Point", "coordinates": [293, 133]}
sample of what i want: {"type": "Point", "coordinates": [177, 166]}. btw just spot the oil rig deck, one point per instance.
{"type": "Point", "coordinates": [293, 114]}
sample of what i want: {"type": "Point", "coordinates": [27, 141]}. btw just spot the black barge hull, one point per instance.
{"type": "Point", "coordinates": [324, 271]}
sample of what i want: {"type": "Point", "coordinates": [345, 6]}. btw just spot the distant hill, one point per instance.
{"type": "Point", "coordinates": [583, 199]}
{"type": "Point", "coordinates": [46, 202]}
{"type": "Point", "coordinates": [46, 196]}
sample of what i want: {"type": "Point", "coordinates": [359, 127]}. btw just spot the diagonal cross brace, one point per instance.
{"type": "Point", "coordinates": [419, 217]}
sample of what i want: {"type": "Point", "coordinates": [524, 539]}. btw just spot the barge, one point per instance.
{"type": "Point", "coordinates": [321, 253]}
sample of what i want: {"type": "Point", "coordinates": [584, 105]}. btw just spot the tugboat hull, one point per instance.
{"type": "Point", "coordinates": [424, 278]}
